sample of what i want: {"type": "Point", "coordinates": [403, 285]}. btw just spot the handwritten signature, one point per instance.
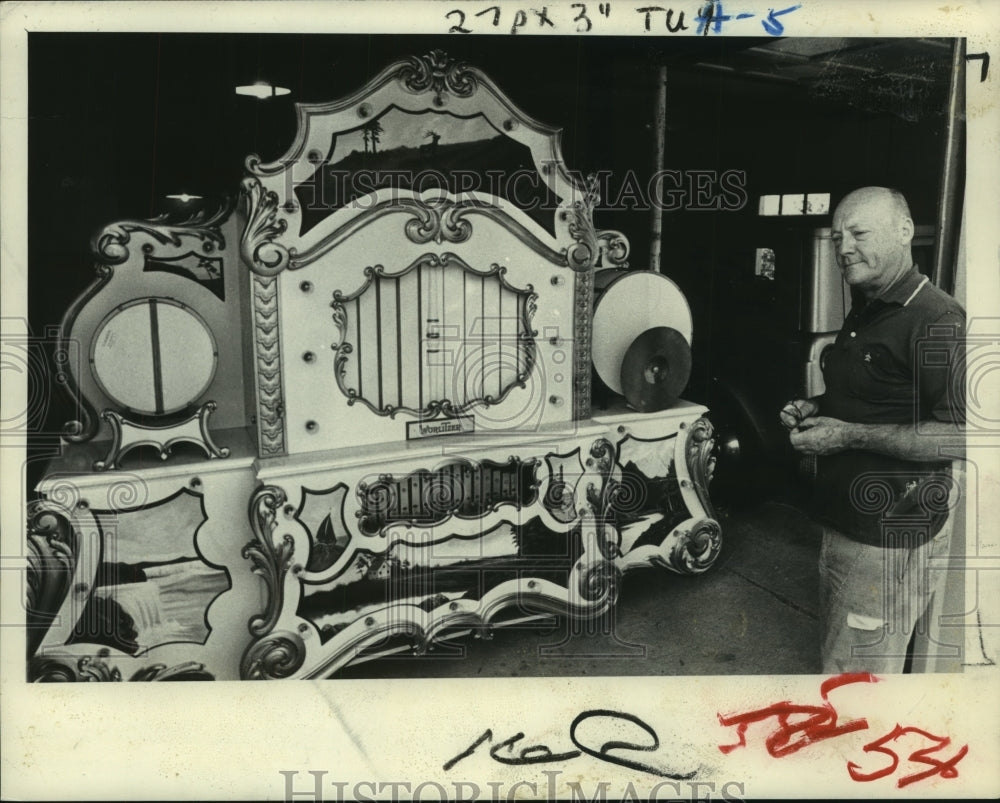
{"type": "Point", "coordinates": [541, 754]}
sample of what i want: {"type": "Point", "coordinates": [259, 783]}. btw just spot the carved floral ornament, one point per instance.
{"type": "Point", "coordinates": [438, 73]}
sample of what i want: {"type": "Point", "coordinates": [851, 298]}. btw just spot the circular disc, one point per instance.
{"type": "Point", "coordinates": [629, 306]}
{"type": "Point", "coordinates": [656, 369]}
{"type": "Point", "coordinates": [154, 356]}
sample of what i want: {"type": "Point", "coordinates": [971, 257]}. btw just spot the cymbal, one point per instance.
{"type": "Point", "coordinates": [656, 369]}
{"type": "Point", "coordinates": [631, 304]}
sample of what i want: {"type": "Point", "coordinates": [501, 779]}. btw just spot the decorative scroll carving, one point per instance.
{"type": "Point", "coordinates": [690, 551]}
{"type": "Point", "coordinates": [264, 256]}
{"type": "Point", "coordinates": [461, 488]}
{"type": "Point", "coordinates": [127, 436]}
{"type": "Point", "coordinates": [701, 460]}
{"type": "Point", "coordinates": [438, 73]}
{"type": "Point", "coordinates": [440, 218]}
{"type": "Point", "coordinates": [599, 584]}
{"type": "Point", "coordinates": [270, 561]}
{"type": "Point", "coordinates": [267, 349]}
{"type": "Point", "coordinates": [111, 245]}
{"type": "Point", "coordinates": [434, 407]}
{"type": "Point", "coordinates": [274, 657]}
{"type": "Point", "coordinates": [52, 556]}
{"type": "Point", "coordinates": [579, 218]}
{"type": "Point", "coordinates": [96, 669]}
{"type": "Point", "coordinates": [614, 248]}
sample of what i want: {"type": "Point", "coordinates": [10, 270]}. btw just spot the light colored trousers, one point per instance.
{"type": "Point", "coordinates": [871, 599]}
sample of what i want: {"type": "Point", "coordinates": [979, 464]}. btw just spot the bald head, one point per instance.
{"type": "Point", "coordinates": [887, 199]}
{"type": "Point", "coordinates": [872, 231]}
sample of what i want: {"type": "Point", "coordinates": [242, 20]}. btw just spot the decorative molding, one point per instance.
{"type": "Point", "coordinates": [78, 431]}
{"type": "Point", "coordinates": [267, 350]}
{"type": "Point", "coordinates": [52, 558]}
{"type": "Point", "coordinates": [274, 657]}
{"type": "Point", "coordinates": [270, 561]}
{"type": "Point", "coordinates": [438, 73]}
{"type": "Point", "coordinates": [698, 452]}
{"type": "Point", "coordinates": [445, 407]}
{"type": "Point", "coordinates": [96, 669]}
{"type": "Point", "coordinates": [111, 245]}
{"type": "Point", "coordinates": [436, 219]}
{"type": "Point", "coordinates": [580, 224]}
{"type": "Point", "coordinates": [264, 256]}
{"type": "Point", "coordinates": [127, 435]}
{"type": "Point", "coordinates": [583, 313]}
{"type": "Point", "coordinates": [690, 551]}
{"type": "Point", "coordinates": [614, 248]}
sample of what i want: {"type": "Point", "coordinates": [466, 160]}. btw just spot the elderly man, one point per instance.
{"type": "Point", "coordinates": [884, 432]}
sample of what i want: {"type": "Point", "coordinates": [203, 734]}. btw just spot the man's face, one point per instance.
{"type": "Point", "coordinates": [872, 241]}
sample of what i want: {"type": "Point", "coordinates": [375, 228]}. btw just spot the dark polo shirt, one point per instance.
{"type": "Point", "coordinates": [897, 360]}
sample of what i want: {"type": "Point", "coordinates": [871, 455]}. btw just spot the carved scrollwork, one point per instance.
{"type": "Point", "coordinates": [111, 245]}
{"type": "Point", "coordinates": [583, 255]}
{"type": "Point", "coordinates": [614, 248]}
{"type": "Point", "coordinates": [599, 584]}
{"type": "Point", "coordinates": [52, 556]}
{"type": "Point", "coordinates": [691, 551]}
{"type": "Point", "coordinates": [127, 435]}
{"type": "Point", "coordinates": [438, 73]}
{"type": "Point", "coordinates": [96, 669]}
{"type": "Point", "coordinates": [439, 219]}
{"type": "Point", "coordinates": [602, 459]}
{"type": "Point", "coordinates": [264, 256]}
{"type": "Point", "coordinates": [270, 560]}
{"type": "Point", "coordinates": [701, 460]}
{"type": "Point", "coordinates": [275, 657]}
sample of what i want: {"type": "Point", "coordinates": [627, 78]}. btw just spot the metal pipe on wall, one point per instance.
{"type": "Point", "coordinates": [952, 179]}
{"type": "Point", "coordinates": [659, 149]}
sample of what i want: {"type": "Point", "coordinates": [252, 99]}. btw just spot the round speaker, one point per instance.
{"type": "Point", "coordinates": [629, 306]}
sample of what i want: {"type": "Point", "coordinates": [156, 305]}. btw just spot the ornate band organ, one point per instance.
{"type": "Point", "coordinates": [352, 412]}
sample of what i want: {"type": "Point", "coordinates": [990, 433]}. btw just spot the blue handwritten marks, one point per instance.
{"type": "Point", "coordinates": [585, 17]}
{"type": "Point", "coordinates": [772, 25]}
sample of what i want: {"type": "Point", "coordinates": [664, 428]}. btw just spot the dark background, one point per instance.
{"type": "Point", "coordinates": [118, 121]}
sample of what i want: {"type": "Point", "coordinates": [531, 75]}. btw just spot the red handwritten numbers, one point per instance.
{"type": "Point", "coordinates": [798, 726]}
{"type": "Point", "coordinates": [946, 769]}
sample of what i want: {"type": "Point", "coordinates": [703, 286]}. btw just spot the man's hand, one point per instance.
{"type": "Point", "coordinates": [793, 413]}
{"type": "Point", "coordinates": [820, 435]}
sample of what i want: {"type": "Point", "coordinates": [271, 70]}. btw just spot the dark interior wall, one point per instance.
{"type": "Point", "coordinates": [118, 121]}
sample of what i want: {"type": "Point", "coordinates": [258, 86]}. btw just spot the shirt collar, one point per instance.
{"type": "Point", "coordinates": [903, 289]}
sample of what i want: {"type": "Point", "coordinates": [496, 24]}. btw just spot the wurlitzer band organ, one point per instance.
{"type": "Point", "coordinates": [344, 417]}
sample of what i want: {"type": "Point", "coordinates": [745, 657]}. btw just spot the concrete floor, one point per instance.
{"type": "Point", "coordinates": [754, 612]}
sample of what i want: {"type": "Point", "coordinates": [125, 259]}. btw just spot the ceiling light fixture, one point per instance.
{"type": "Point", "coordinates": [184, 197]}
{"type": "Point", "coordinates": [262, 90]}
